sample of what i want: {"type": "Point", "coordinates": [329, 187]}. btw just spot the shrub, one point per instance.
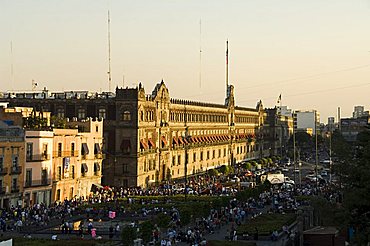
{"type": "Point", "coordinates": [129, 234]}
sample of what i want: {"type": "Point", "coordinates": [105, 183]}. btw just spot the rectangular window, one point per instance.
{"type": "Point", "coordinates": [125, 168]}
{"type": "Point", "coordinates": [173, 160]}
{"type": "Point", "coordinates": [44, 176]}
{"type": "Point", "coordinates": [72, 149]}
{"type": "Point", "coordinates": [15, 186]}
{"type": "Point", "coordinates": [224, 152]}
{"type": "Point", "coordinates": [179, 160]}
{"type": "Point", "coordinates": [59, 173]}
{"type": "Point", "coordinates": [81, 113]}
{"type": "Point", "coordinates": [201, 155]}
{"type": "Point", "coordinates": [207, 154]}
{"type": "Point", "coordinates": [73, 172]}
{"type": "Point", "coordinates": [214, 154]}
{"type": "Point", "coordinates": [194, 157]}
{"type": "Point", "coordinates": [28, 177]}
{"type": "Point", "coordinates": [102, 114]}
{"type": "Point", "coordinates": [15, 161]}
{"type": "Point", "coordinates": [45, 151]}
{"type": "Point", "coordinates": [1, 161]}
{"type": "Point", "coordinates": [58, 195]}
{"type": "Point", "coordinates": [29, 150]}
{"type": "Point", "coordinates": [59, 149]}
{"type": "Point", "coordinates": [60, 112]}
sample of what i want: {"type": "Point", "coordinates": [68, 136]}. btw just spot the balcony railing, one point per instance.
{"type": "Point", "coordinates": [16, 170]}
{"type": "Point", "coordinates": [3, 170]}
{"type": "Point", "coordinates": [65, 153]}
{"type": "Point", "coordinates": [41, 157]}
{"type": "Point", "coordinates": [99, 156]}
{"type": "Point", "coordinates": [15, 189]}
{"type": "Point", "coordinates": [58, 177]}
{"type": "Point", "coordinates": [33, 183]}
{"type": "Point", "coordinates": [2, 190]}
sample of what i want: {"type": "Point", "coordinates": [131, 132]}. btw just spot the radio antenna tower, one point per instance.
{"type": "Point", "coordinates": [200, 53]}
{"type": "Point", "coordinates": [12, 64]}
{"type": "Point", "coordinates": [109, 58]}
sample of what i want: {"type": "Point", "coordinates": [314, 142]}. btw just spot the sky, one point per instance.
{"type": "Point", "coordinates": [315, 53]}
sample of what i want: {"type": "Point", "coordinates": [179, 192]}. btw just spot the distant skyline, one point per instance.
{"type": "Point", "coordinates": [314, 53]}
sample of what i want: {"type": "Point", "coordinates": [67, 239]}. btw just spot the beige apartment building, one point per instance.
{"type": "Point", "coordinates": [12, 160]}
{"type": "Point", "coordinates": [77, 159]}
{"type": "Point", "coordinates": [38, 168]}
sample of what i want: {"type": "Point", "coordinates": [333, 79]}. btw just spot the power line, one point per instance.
{"type": "Point", "coordinates": [302, 78]}
{"type": "Point", "coordinates": [316, 91]}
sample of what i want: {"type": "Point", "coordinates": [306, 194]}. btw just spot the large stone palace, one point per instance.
{"type": "Point", "coordinates": [151, 138]}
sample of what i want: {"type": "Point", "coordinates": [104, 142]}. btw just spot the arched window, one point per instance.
{"type": "Point", "coordinates": [126, 116]}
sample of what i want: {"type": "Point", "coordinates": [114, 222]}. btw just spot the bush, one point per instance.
{"type": "Point", "coordinates": [163, 220]}
{"type": "Point", "coordinates": [129, 234]}
{"type": "Point", "coordinates": [146, 229]}
{"type": "Point", "coordinates": [266, 223]}
{"type": "Point", "coordinates": [213, 172]}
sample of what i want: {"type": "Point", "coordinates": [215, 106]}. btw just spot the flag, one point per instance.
{"type": "Point", "coordinates": [227, 52]}
{"type": "Point", "coordinates": [279, 99]}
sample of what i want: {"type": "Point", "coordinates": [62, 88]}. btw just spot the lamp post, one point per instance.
{"type": "Point", "coordinates": [330, 161]}
{"type": "Point", "coordinates": [300, 174]}
{"type": "Point", "coordinates": [316, 155]}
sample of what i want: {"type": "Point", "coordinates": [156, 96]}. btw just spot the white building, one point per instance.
{"type": "Point", "coordinates": [306, 121]}
{"type": "Point", "coordinates": [38, 168]}
{"type": "Point", "coordinates": [359, 111]}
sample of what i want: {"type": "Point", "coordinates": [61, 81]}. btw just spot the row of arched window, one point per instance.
{"type": "Point", "coordinates": [197, 117]}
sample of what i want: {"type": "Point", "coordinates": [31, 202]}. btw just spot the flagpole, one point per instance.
{"type": "Point", "coordinates": [280, 102]}
{"type": "Point", "coordinates": [227, 65]}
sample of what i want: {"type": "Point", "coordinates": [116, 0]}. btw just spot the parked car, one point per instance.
{"type": "Point", "coordinates": [324, 173]}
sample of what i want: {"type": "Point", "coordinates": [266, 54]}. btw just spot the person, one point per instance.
{"type": "Point", "coordinates": [80, 231]}
{"type": "Point", "coordinates": [110, 232]}
{"type": "Point", "coordinates": [116, 230]}
{"type": "Point", "coordinates": [256, 234]}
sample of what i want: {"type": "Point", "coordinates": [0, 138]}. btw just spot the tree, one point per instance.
{"type": "Point", "coordinates": [353, 172]}
{"type": "Point", "coordinates": [129, 234]}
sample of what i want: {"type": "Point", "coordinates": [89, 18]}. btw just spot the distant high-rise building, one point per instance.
{"type": "Point", "coordinates": [284, 111]}
{"type": "Point", "coordinates": [331, 123]}
{"type": "Point", "coordinates": [359, 111]}
{"type": "Point", "coordinates": [306, 121]}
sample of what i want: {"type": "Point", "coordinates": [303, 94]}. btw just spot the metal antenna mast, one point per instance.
{"type": "Point", "coordinates": [200, 53]}
{"type": "Point", "coordinates": [11, 65]}
{"type": "Point", "coordinates": [109, 58]}
{"type": "Point", "coordinates": [227, 65]}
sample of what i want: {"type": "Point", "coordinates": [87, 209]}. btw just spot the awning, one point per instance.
{"type": "Point", "coordinates": [181, 141]}
{"type": "Point", "coordinates": [96, 167]}
{"type": "Point", "coordinates": [174, 140]}
{"type": "Point", "coordinates": [97, 149]}
{"type": "Point", "coordinates": [84, 149]}
{"type": "Point", "coordinates": [99, 186]}
{"type": "Point", "coordinates": [194, 139]}
{"type": "Point", "coordinates": [84, 168]}
{"type": "Point", "coordinates": [143, 144]}
{"type": "Point", "coordinates": [164, 141]}
{"type": "Point", "coordinates": [151, 143]}
{"type": "Point", "coordinates": [185, 140]}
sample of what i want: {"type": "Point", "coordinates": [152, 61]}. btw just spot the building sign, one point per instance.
{"type": "Point", "coordinates": [66, 164]}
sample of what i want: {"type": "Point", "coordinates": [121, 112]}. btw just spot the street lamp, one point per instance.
{"type": "Point", "coordinates": [300, 174]}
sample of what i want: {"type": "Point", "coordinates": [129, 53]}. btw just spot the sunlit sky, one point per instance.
{"type": "Point", "coordinates": [315, 53]}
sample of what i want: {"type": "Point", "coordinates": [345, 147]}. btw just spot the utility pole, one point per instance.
{"type": "Point", "coordinates": [294, 159]}
{"type": "Point", "coordinates": [187, 139]}
{"type": "Point", "coordinates": [317, 155]}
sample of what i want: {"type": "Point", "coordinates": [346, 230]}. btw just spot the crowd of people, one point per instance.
{"type": "Point", "coordinates": [277, 200]}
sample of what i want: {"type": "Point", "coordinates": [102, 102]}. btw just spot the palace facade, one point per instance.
{"type": "Point", "coordinates": [150, 138]}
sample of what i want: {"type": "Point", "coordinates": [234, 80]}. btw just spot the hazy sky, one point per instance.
{"type": "Point", "coordinates": [315, 53]}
